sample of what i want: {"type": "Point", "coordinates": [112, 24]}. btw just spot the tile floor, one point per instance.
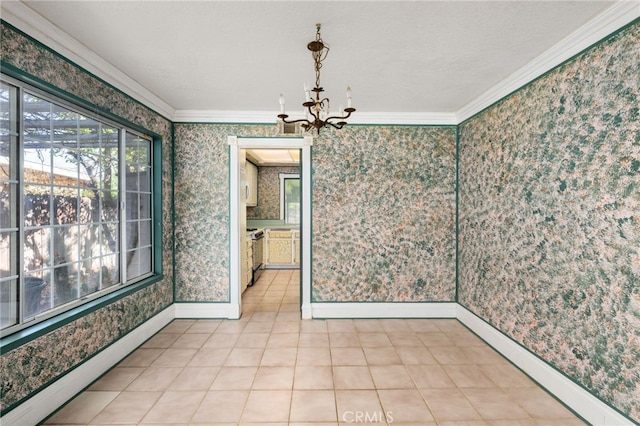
{"type": "Point", "coordinates": [271, 368]}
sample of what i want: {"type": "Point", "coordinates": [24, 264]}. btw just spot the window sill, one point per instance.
{"type": "Point", "coordinates": [20, 337]}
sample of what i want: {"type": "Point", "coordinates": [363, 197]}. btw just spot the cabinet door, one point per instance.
{"type": "Point", "coordinates": [252, 185]}
{"type": "Point", "coordinates": [280, 250]}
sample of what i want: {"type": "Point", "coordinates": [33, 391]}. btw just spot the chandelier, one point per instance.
{"type": "Point", "coordinates": [318, 113]}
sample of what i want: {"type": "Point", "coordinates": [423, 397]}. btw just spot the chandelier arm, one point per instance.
{"type": "Point", "coordinates": [344, 117]}
{"type": "Point", "coordinates": [300, 120]}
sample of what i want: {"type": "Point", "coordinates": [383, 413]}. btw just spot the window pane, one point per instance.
{"type": "Point", "coordinates": [36, 294]}
{"type": "Point", "coordinates": [37, 248]}
{"type": "Point", "coordinates": [292, 200]}
{"type": "Point", "coordinates": [8, 302]}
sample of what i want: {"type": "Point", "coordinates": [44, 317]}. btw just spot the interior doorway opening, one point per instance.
{"type": "Point", "coordinates": [275, 226]}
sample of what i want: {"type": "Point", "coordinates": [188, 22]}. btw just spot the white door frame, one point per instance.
{"type": "Point", "coordinates": [236, 228]}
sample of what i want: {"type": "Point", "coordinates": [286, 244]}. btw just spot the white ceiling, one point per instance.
{"type": "Point", "coordinates": [399, 57]}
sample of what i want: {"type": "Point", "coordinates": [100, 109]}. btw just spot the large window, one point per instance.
{"type": "Point", "coordinates": [75, 209]}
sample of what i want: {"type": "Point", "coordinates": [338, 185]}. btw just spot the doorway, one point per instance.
{"type": "Point", "coordinates": [238, 220]}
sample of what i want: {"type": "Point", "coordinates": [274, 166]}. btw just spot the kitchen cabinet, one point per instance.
{"type": "Point", "coordinates": [282, 248]}
{"type": "Point", "coordinates": [246, 262]}
{"type": "Point", "coordinates": [251, 184]}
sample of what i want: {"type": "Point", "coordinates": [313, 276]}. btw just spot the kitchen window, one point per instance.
{"type": "Point", "coordinates": [290, 198]}
{"type": "Point", "coordinates": [76, 206]}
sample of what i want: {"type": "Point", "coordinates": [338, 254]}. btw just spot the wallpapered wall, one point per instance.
{"type": "Point", "coordinates": [37, 363]}
{"type": "Point", "coordinates": [550, 218]}
{"type": "Point", "coordinates": [383, 212]}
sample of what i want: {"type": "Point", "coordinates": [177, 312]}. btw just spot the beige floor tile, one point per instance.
{"type": "Point", "coordinates": [404, 405]}
{"type": "Point", "coordinates": [367, 325]}
{"type": "Point", "coordinates": [506, 375]}
{"type": "Point", "coordinates": [391, 377]}
{"type": "Point", "coordinates": [141, 357]}
{"type": "Point", "coordinates": [348, 356]}
{"type": "Point", "coordinates": [286, 327]}
{"type": "Point", "coordinates": [127, 408]}
{"type": "Point", "coordinates": [267, 406]}
{"type": "Point", "coordinates": [483, 355]}
{"type": "Point", "coordinates": [178, 326]}
{"type": "Point", "coordinates": [221, 340]}
{"type": "Point", "coordinates": [274, 378]}
{"type": "Point", "coordinates": [234, 378]}
{"type": "Point", "coordinates": [174, 407]}
{"type": "Point", "coordinates": [191, 340]}
{"type": "Point", "coordinates": [252, 340]}
{"type": "Point", "coordinates": [405, 338]}
{"type": "Point", "coordinates": [83, 408]}
{"type": "Point", "coordinates": [205, 326]}
{"type": "Point", "coordinates": [244, 357]}
{"type": "Point", "coordinates": [359, 406]}
{"type": "Point", "coordinates": [430, 376]}
{"type": "Point", "coordinates": [313, 356]}
{"type": "Point", "coordinates": [174, 358]}
{"type": "Point", "coordinates": [415, 355]}
{"type": "Point", "coordinates": [221, 407]}
{"type": "Point", "coordinates": [155, 379]}
{"type": "Point", "coordinates": [279, 357]}
{"type": "Point", "coordinates": [194, 378]}
{"type": "Point", "coordinates": [313, 340]}
{"type": "Point", "coordinates": [382, 356]}
{"type": "Point", "coordinates": [340, 326]}
{"type": "Point", "coordinates": [209, 357]}
{"type": "Point", "coordinates": [494, 404]}
{"type": "Point", "coordinates": [374, 340]}
{"type": "Point", "coordinates": [449, 404]}
{"type": "Point", "coordinates": [313, 378]}
{"type": "Point", "coordinates": [352, 377]}
{"type": "Point", "coordinates": [117, 379]}
{"type": "Point", "coordinates": [283, 340]}
{"type": "Point", "coordinates": [344, 340]}
{"type": "Point", "coordinates": [468, 376]}
{"type": "Point", "coordinates": [270, 368]}
{"type": "Point", "coordinates": [434, 338]}
{"type": "Point", "coordinates": [313, 406]}
{"type": "Point", "coordinates": [539, 404]}
{"type": "Point", "coordinates": [449, 355]}
{"type": "Point", "coordinates": [161, 341]}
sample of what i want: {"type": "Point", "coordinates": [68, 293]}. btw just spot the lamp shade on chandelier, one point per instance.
{"type": "Point", "coordinates": [317, 109]}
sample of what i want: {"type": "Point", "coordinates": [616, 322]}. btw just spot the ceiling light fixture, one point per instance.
{"type": "Point", "coordinates": [318, 110]}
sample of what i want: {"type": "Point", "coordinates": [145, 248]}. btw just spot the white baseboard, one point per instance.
{"type": "Point", "coordinates": [574, 396]}
{"type": "Point", "coordinates": [49, 399]}
{"type": "Point", "coordinates": [207, 310]}
{"type": "Point", "coordinates": [384, 310]}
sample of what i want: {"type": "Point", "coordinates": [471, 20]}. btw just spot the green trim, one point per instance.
{"type": "Point", "coordinates": [157, 206]}
{"type": "Point", "coordinates": [80, 68]}
{"type": "Point", "coordinates": [457, 225]}
{"type": "Point", "coordinates": [173, 212]}
{"type": "Point", "coordinates": [544, 74]}
{"type": "Point", "coordinates": [26, 335]}
{"type": "Point", "coordinates": [557, 370]}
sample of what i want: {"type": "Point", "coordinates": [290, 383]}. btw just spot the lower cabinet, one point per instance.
{"type": "Point", "coordinates": [247, 265]}
{"type": "Point", "coordinates": [282, 248]}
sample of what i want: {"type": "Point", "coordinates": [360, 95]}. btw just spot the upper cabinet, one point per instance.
{"type": "Point", "coordinates": [251, 189]}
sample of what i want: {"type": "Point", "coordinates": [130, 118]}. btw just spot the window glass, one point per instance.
{"type": "Point", "coordinates": [76, 174]}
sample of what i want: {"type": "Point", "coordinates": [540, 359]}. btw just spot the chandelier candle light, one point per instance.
{"type": "Point", "coordinates": [318, 112]}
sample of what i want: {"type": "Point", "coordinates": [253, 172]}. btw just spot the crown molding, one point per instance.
{"type": "Point", "coordinates": [267, 117]}
{"type": "Point", "coordinates": [31, 23]}
{"type": "Point", "coordinates": [608, 22]}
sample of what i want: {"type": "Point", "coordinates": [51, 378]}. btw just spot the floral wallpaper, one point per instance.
{"type": "Point", "coordinates": [37, 363]}
{"type": "Point", "coordinates": [408, 220]}
{"type": "Point", "coordinates": [549, 231]}
{"type": "Point", "coordinates": [384, 205]}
